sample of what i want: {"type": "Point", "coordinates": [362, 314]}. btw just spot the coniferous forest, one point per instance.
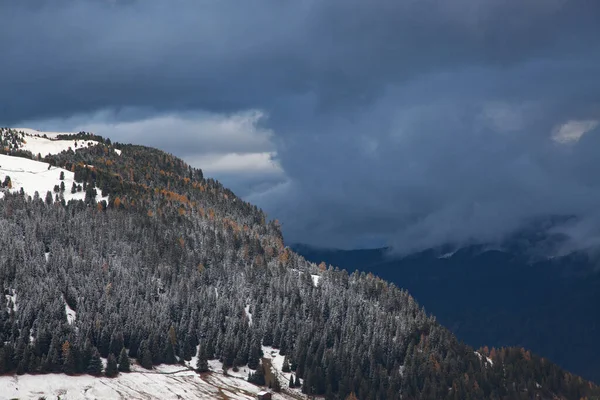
{"type": "Point", "coordinates": [169, 264]}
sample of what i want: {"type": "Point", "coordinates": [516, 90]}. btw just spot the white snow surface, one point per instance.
{"type": "Point", "coordinates": [71, 314]}
{"type": "Point", "coordinates": [163, 382]}
{"type": "Point", "coordinates": [217, 367]}
{"type": "Point", "coordinates": [489, 360]}
{"type": "Point", "coordinates": [45, 146]}
{"type": "Point", "coordinates": [36, 143]}
{"type": "Point", "coordinates": [315, 279]}
{"type": "Point", "coordinates": [11, 297]}
{"type": "Point", "coordinates": [247, 311]}
{"type": "Point", "coordinates": [35, 176]}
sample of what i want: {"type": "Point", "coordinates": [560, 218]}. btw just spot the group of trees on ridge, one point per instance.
{"type": "Point", "coordinates": [166, 270]}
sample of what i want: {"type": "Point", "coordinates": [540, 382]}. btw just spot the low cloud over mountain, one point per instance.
{"type": "Point", "coordinates": [354, 123]}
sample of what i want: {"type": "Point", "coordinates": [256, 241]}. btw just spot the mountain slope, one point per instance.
{"type": "Point", "coordinates": [498, 298]}
{"type": "Point", "coordinates": [175, 269]}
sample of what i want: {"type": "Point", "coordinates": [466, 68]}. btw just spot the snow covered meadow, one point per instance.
{"type": "Point", "coordinates": [163, 382]}
{"type": "Point", "coordinates": [39, 176]}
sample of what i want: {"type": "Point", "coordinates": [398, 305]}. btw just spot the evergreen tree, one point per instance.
{"type": "Point", "coordinates": [144, 355]}
{"type": "Point", "coordinates": [7, 182]}
{"type": "Point", "coordinates": [49, 198]}
{"type": "Point", "coordinates": [116, 343]}
{"type": "Point", "coordinates": [286, 365]}
{"type": "Point", "coordinates": [169, 353]}
{"type": "Point", "coordinates": [258, 377]}
{"type": "Point", "coordinates": [104, 342]}
{"type": "Point", "coordinates": [111, 366]}
{"type": "Point", "coordinates": [95, 365]}
{"type": "Point", "coordinates": [69, 360]}
{"type": "Point", "coordinates": [202, 362]}
{"type": "Point", "coordinates": [276, 385]}
{"type": "Point", "coordinates": [188, 347]}
{"type": "Point", "coordinates": [255, 353]}
{"type": "Point", "coordinates": [21, 368]}
{"type": "Point", "coordinates": [90, 194]}
{"type": "Point", "coordinates": [124, 364]}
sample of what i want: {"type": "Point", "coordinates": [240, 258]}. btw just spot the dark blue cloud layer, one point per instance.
{"type": "Point", "coordinates": [410, 122]}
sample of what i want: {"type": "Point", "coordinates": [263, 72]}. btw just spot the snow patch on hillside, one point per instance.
{"type": "Point", "coordinates": [315, 279]}
{"type": "Point", "coordinates": [43, 146]}
{"type": "Point", "coordinates": [194, 361]}
{"type": "Point", "coordinates": [240, 377]}
{"type": "Point", "coordinates": [71, 314]}
{"type": "Point", "coordinates": [216, 366]}
{"type": "Point", "coordinates": [45, 143]}
{"type": "Point", "coordinates": [489, 360]}
{"type": "Point", "coordinates": [163, 382]}
{"type": "Point", "coordinates": [247, 311]}
{"type": "Point", "coordinates": [277, 366]}
{"type": "Point", "coordinates": [38, 176]}
{"type": "Point", "coordinates": [11, 297]}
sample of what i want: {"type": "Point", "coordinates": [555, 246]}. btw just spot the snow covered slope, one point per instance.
{"type": "Point", "coordinates": [164, 382]}
{"type": "Point", "coordinates": [40, 145]}
{"type": "Point", "coordinates": [45, 143]}
{"type": "Point", "coordinates": [35, 176]}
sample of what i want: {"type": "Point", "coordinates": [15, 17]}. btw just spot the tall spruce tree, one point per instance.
{"type": "Point", "coordinates": [111, 366]}
{"type": "Point", "coordinates": [202, 361]}
{"type": "Point", "coordinates": [145, 355]}
{"type": "Point", "coordinates": [95, 365]}
{"type": "Point", "coordinates": [124, 363]}
{"type": "Point", "coordinates": [258, 377]}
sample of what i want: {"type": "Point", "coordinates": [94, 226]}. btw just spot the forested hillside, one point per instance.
{"type": "Point", "coordinates": [498, 297]}
{"type": "Point", "coordinates": [174, 266]}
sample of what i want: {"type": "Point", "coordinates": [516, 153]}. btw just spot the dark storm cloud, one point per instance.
{"type": "Point", "coordinates": [413, 122]}
{"type": "Point", "coordinates": [84, 55]}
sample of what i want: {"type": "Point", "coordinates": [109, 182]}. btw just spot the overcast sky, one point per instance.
{"type": "Point", "coordinates": [355, 123]}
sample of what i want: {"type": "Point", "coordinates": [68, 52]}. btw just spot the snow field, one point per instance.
{"type": "Point", "coordinates": [163, 382]}
{"type": "Point", "coordinates": [35, 176]}
{"type": "Point", "coordinates": [39, 145]}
